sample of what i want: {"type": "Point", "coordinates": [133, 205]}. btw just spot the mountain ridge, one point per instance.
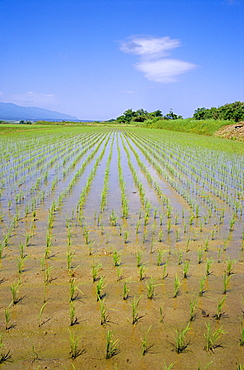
{"type": "Point", "coordinates": [10, 111]}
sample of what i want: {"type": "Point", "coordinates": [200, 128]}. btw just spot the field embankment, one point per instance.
{"type": "Point", "coordinates": [222, 128]}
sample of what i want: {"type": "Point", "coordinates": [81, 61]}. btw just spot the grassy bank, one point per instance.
{"type": "Point", "coordinates": [203, 127]}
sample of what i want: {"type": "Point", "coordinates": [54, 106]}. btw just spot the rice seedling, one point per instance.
{"type": "Point", "coordinates": [47, 272]}
{"type": "Point", "coordinates": [208, 266]}
{"type": "Point", "coordinates": [99, 288]}
{"type": "Point", "coordinates": [96, 267]}
{"type": "Point", "coordinates": [142, 272]}
{"type": "Point", "coordinates": [72, 316]}
{"type": "Point", "coordinates": [201, 286]}
{"type": "Point", "coordinates": [186, 269]}
{"type": "Point", "coordinates": [137, 226]}
{"type": "Point", "coordinates": [126, 291]}
{"type": "Point", "coordinates": [212, 338]}
{"type": "Point", "coordinates": [193, 305]}
{"type": "Point", "coordinates": [200, 255]}
{"type": "Point", "coordinates": [161, 313]}
{"type": "Point", "coordinates": [180, 339]}
{"type": "Point", "coordinates": [138, 258]}
{"type": "Point", "coordinates": [135, 313]}
{"type": "Point", "coordinates": [160, 236]}
{"type": "Point", "coordinates": [4, 355]}
{"type": "Point", "coordinates": [160, 257]}
{"type": "Point", "coordinates": [241, 340]}
{"type": "Point", "coordinates": [113, 218]}
{"type": "Point", "coordinates": [103, 312]}
{"type": "Point", "coordinates": [21, 251]}
{"type": "Point", "coordinates": [176, 286]}
{"type": "Point", "coordinates": [73, 290]}
{"type": "Point", "coordinates": [219, 312]}
{"type": "Point", "coordinates": [74, 350]}
{"type": "Point", "coordinates": [119, 271]}
{"type": "Point", "coordinates": [229, 266]}
{"type": "Point", "coordinates": [116, 258]}
{"type": "Point", "coordinates": [7, 317]}
{"type": "Point", "coordinates": [40, 314]}
{"type": "Point", "coordinates": [164, 273]}
{"type": "Point", "coordinates": [126, 234]}
{"type": "Point", "coordinates": [170, 365]}
{"type": "Point", "coordinates": [145, 346]}
{"type": "Point", "coordinates": [150, 289]}
{"type": "Point", "coordinates": [70, 255]}
{"type": "Point", "coordinates": [14, 290]}
{"type": "Point", "coordinates": [226, 281]}
{"type": "Point", "coordinates": [111, 345]}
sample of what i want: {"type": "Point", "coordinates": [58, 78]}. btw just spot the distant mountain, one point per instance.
{"type": "Point", "coordinates": [9, 111]}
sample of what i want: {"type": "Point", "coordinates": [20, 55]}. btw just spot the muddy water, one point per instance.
{"type": "Point", "coordinates": [48, 346]}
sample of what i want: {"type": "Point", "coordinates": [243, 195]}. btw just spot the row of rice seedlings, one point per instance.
{"type": "Point", "coordinates": [105, 180]}
{"type": "Point", "coordinates": [124, 200]}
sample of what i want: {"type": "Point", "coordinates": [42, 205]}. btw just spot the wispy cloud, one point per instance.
{"type": "Point", "coordinates": [29, 99]}
{"type": "Point", "coordinates": [153, 61]}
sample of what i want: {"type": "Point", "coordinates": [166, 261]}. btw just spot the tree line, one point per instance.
{"type": "Point", "coordinates": [233, 111]}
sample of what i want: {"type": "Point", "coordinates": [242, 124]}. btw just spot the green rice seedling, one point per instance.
{"type": "Point", "coordinates": [119, 273]}
{"type": "Point", "coordinates": [177, 237]}
{"type": "Point", "coordinates": [220, 251]}
{"type": "Point", "coordinates": [200, 255]}
{"type": "Point", "coordinates": [137, 226]}
{"type": "Point", "coordinates": [74, 351]}
{"type": "Point", "coordinates": [47, 272]}
{"type": "Point", "coordinates": [111, 345]}
{"type": "Point", "coordinates": [145, 347]}
{"type": "Point", "coordinates": [113, 218]}
{"type": "Point", "coordinates": [27, 239]}
{"type": "Point", "coordinates": [99, 288]}
{"type": "Point", "coordinates": [241, 340]}
{"type": "Point", "coordinates": [142, 272]}
{"type": "Point", "coordinates": [20, 264]}
{"type": "Point", "coordinates": [103, 312]}
{"type": "Point", "coordinates": [208, 266]}
{"type": "Point", "coordinates": [69, 236]}
{"type": "Point", "coordinates": [135, 313]}
{"type": "Point", "coordinates": [1, 250]}
{"type": "Point", "coordinates": [48, 245]}
{"type": "Point", "coordinates": [179, 254]}
{"type": "Point", "coordinates": [21, 251]}
{"type": "Point", "coordinates": [180, 339]}
{"type": "Point", "coordinates": [219, 309]}
{"type": "Point", "coordinates": [150, 289]}
{"type": "Point", "coordinates": [176, 286]}
{"type": "Point", "coordinates": [96, 267]}
{"type": "Point", "coordinates": [187, 245]}
{"type": "Point", "coordinates": [239, 367]}
{"type": "Point", "coordinates": [170, 365]}
{"type": "Point", "coordinates": [186, 269]}
{"type": "Point", "coordinates": [229, 266]}
{"type": "Point", "coordinates": [14, 290]}
{"type": "Point", "coordinates": [165, 274]}
{"type": "Point", "coordinates": [212, 338]}
{"type": "Point", "coordinates": [169, 226]}
{"type": "Point", "coordinates": [160, 257]}
{"type": "Point", "coordinates": [206, 245]}
{"type": "Point", "coordinates": [161, 219]}
{"type": "Point", "coordinates": [7, 317]}
{"type": "Point", "coordinates": [86, 235]}
{"type": "Point", "coordinates": [193, 305]}
{"type": "Point", "coordinates": [144, 236]}
{"type": "Point", "coordinates": [205, 367]}
{"type": "Point", "coordinates": [138, 258]}
{"type": "Point", "coordinates": [161, 313]}
{"type": "Point", "coordinates": [69, 255]}
{"type": "Point", "coordinates": [73, 289]}
{"type": "Point", "coordinates": [232, 223]}
{"type": "Point", "coordinates": [72, 316]}
{"type": "Point", "coordinates": [160, 236]}
{"type": "Point", "coordinates": [226, 281]}
{"type": "Point", "coordinates": [126, 291]}
{"type": "Point", "coordinates": [4, 356]}
{"type": "Point", "coordinates": [152, 245]}
{"type": "Point", "coordinates": [40, 314]}
{"type": "Point", "coordinates": [201, 287]}
{"type": "Point", "coordinates": [126, 234]}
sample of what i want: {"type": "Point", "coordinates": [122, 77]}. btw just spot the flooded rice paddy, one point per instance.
{"type": "Point", "coordinates": [120, 249]}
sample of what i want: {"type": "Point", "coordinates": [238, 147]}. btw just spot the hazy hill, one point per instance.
{"type": "Point", "coordinates": [9, 111]}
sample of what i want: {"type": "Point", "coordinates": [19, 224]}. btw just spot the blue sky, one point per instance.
{"type": "Point", "coordinates": [96, 58]}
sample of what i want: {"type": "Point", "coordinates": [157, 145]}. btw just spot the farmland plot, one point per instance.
{"type": "Point", "coordinates": [120, 248]}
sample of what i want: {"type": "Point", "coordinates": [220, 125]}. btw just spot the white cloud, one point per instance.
{"type": "Point", "coordinates": [149, 47]}
{"type": "Point", "coordinates": [153, 61]}
{"type": "Point", "coordinates": [164, 70]}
